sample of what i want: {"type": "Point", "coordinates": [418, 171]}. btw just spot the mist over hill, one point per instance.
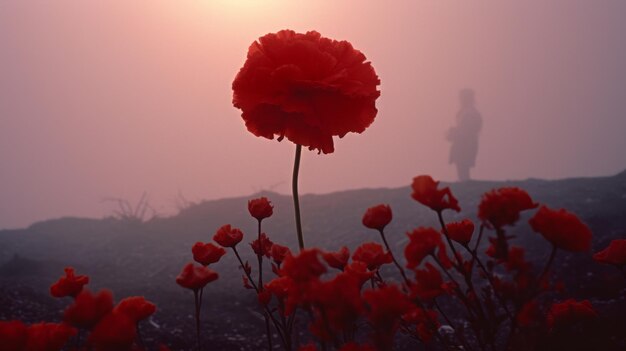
{"type": "Point", "coordinates": [135, 258]}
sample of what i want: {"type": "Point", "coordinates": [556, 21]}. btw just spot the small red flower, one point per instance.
{"type": "Point", "coordinates": [306, 88]}
{"type": "Point", "coordinates": [262, 246]}
{"type": "Point", "coordinates": [563, 229]}
{"type": "Point", "coordinates": [304, 266]}
{"type": "Point", "coordinates": [500, 207]}
{"type": "Point", "coordinates": [208, 253]}
{"type": "Point", "coordinates": [48, 336]}
{"type": "Point", "coordinates": [569, 312]}
{"type": "Point", "coordinates": [429, 283]}
{"type": "Point", "coordinates": [116, 331]}
{"type": "Point", "coordinates": [424, 242]}
{"type": "Point", "coordinates": [373, 255]}
{"type": "Point", "coordinates": [137, 308]}
{"type": "Point", "coordinates": [13, 335]}
{"type": "Point", "coordinates": [337, 259]}
{"type": "Point", "coordinates": [359, 270]}
{"type": "Point", "coordinates": [461, 232]}
{"type": "Point", "coordinates": [279, 252]}
{"type": "Point", "coordinates": [88, 308]}
{"type": "Point", "coordinates": [377, 217]}
{"type": "Point", "coordinates": [260, 208]}
{"type": "Point", "coordinates": [228, 236]}
{"type": "Point", "coordinates": [425, 192]}
{"type": "Point", "coordinates": [70, 285]}
{"type": "Point", "coordinates": [195, 277]}
{"type": "Point", "coordinates": [614, 254]}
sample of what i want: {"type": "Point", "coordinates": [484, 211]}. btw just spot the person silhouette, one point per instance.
{"type": "Point", "coordinates": [464, 135]}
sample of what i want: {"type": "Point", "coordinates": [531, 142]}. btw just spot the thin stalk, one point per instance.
{"type": "Point", "coordinates": [393, 257]}
{"type": "Point", "coordinates": [296, 200]}
{"type": "Point", "coordinates": [260, 285]}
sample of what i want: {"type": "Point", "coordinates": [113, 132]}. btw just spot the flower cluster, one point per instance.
{"type": "Point", "coordinates": [109, 326]}
{"type": "Point", "coordinates": [344, 295]}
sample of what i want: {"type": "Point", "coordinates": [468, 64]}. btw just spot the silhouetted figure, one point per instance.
{"type": "Point", "coordinates": [464, 136]}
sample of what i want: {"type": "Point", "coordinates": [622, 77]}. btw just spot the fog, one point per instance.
{"type": "Point", "coordinates": [117, 98]}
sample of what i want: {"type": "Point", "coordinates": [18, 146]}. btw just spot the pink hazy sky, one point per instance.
{"type": "Point", "coordinates": [113, 98]}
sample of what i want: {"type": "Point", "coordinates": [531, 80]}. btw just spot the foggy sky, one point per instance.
{"type": "Point", "coordinates": [110, 99]}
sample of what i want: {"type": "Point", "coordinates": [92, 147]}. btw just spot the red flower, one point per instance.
{"type": "Point", "coordinates": [280, 286]}
{"type": "Point", "coordinates": [208, 253]}
{"type": "Point", "coordinates": [425, 192]}
{"type": "Point", "coordinates": [227, 236]}
{"type": "Point", "coordinates": [70, 285]}
{"type": "Point", "coordinates": [337, 259]}
{"type": "Point", "coordinates": [614, 254]}
{"type": "Point", "coordinates": [359, 270]}
{"type": "Point", "coordinates": [501, 207]}
{"type": "Point", "coordinates": [563, 229]}
{"type": "Point", "coordinates": [48, 336]}
{"type": "Point", "coordinates": [260, 208]}
{"type": "Point", "coordinates": [88, 308]}
{"type": "Point", "coordinates": [429, 283]}
{"type": "Point", "coordinates": [304, 266]}
{"type": "Point", "coordinates": [13, 335]}
{"type": "Point", "coordinates": [305, 87]}
{"type": "Point", "coordinates": [279, 252]}
{"type": "Point", "coordinates": [195, 277]}
{"type": "Point", "coordinates": [461, 232]}
{"type": "Point", "coordinates": [424, 242]}
{"type": "Point", "coordinates": [116, 331]}
{"type": "Point", "coordinates": [339, 299]}
{"type": "Point", "coordinates": [137, 308]}
{"type": "Point", "coordinates": [372, 254]}
{"type": "Point", "coordinates": [386, 306]}
{"type": "Point", "coordinates": [377, 217]}
{"type": "Point", "coordinates": [262, 246]}
{"type": "Point", "coordinates": [569, 312]}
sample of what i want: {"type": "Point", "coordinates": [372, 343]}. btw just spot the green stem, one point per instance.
{"type": "Point", "coordinates": [296, 200]}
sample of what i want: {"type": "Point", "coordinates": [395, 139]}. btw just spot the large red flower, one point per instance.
{"type": "Point", "coordinates": [569, 312]}
{"type": "Point", "coordinates": [614, 254]}
{"type": "Point", "coordinates": [500, 207]}
{"type": "Point", "coordinates": [373, 255]}
{"type": "Point", "coordinates": [48, 336]}
{"type": "Point", "coordinates": [136, 308]}
{"type": "Point", "coordinates": [260, 208]}
{"type": "Point", "coordinates": [208, 253]}
{"type": "Point", "coordinates": [461, 232]}
{"type": "Point", "coordinates": [195, 277]}
{"type": "Point", "coordinates": [305, 87]}
{"type": "Point", "coordinates": [228, 236]}
{"type": "Point", "coordinates": [304, 266]}
{"type": "Point", "coordinates": [116, 331]}
{"type": "Point", "coordinates": [88, 308]}
{"type": "Point", "coordinates": [338, 259]}
{"type": "Point", "coordinates": [424, 242]}
{"type": "Point", "coordinates": [425, 192]}
{"type": "Point", "coordinates": [13, 335]}
{"type": "Point", "coordinates": [70, 285]}
{"type": "Point", "coordinates": [377, 217]}
{"type": "Point", "coordinates": [563, 229]}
